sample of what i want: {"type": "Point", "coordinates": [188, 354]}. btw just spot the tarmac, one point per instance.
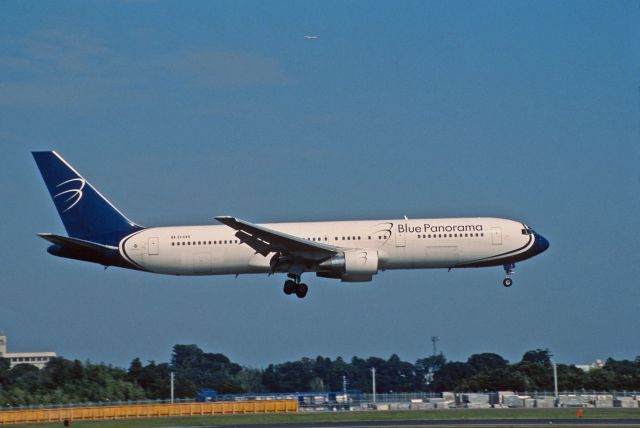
{"type": "Point", "coordinates": [459, 423]}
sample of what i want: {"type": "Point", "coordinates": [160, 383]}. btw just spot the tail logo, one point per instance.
{"type": "Point", "coordinates": [75, 194]}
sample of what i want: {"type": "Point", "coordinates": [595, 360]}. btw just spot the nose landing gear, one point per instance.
{"type": "Point", "coordinates": [293, 285]}
{"type": "Point", "coordinates": [509, 270]}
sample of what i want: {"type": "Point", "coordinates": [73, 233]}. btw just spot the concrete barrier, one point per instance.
{"type": "Point", "coordinates": [545, 403]}
{"type": "Point", "coordinates": [514, 401]}
{"type": "Point", "coordinates": [626, 402]}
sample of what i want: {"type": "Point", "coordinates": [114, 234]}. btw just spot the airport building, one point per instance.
{"type": "Point", "coordinates": [597, 364]}
{"type": "Point", "coordinates": [38, 359]}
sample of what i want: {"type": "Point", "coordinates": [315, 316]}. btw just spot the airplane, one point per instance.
{"type": "Point", "coordinates": [349, 251]}
{"type": "Point", "coordinates": [311, 37]}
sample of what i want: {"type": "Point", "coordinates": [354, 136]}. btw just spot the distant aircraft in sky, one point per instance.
{"type": "Point", "coordinates": [309, 37]}
{"type": "Point", "coordinates": [351, 251]}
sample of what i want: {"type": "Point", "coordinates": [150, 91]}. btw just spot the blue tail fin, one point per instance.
{"type": "Point", "coordinates": [86, 214]}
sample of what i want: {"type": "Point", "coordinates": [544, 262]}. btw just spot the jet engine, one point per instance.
{"type": "Point", "coordinates": [350, 266]}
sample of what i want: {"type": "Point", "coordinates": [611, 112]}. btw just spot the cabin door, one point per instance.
{"type": "Point", "coordinates": [154, 247]}
{"type": "Point", "coordinates": [401, 237]}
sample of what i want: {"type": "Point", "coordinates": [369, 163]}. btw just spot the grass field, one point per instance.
{"type": "Point", "coordinates": [389, 416]}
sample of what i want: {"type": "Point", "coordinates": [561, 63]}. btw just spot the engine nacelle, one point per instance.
{"type": "Point", "coordinates": [361, 262]}
{"type": "Point", "coordinates": [353, 263]}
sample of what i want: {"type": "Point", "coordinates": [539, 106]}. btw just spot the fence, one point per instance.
{"type": "Point", "coordinates": [146, 411]}
{"type": "Point", "coordinates": [319, 401]}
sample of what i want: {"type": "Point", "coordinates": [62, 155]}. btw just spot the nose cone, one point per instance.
{"type": "Point", "coordinates": [540, 244]}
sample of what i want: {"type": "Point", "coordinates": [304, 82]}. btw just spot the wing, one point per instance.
{"type": "Point", "coordinates": [264, 241]}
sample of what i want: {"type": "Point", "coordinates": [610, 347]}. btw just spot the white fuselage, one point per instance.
{"type": "Point", "coordinates": [400, 244]}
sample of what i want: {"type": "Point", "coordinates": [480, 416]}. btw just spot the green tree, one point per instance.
{"type": "Point", "coordinates": [196, 369]}
{"type": "Point", "coordinates": [486, 361]}
{"type": "Point", "coordinates": [293, 376]}
{"type": "Point", "coordinates": [135, 370]}
{"type": "Point", "coordinates": [4, 370]}
{"type": "Point", "coordinates": [360, 375]}
{"type": "Point", "coordinates": [451, 376]}
{"type": "Point", "coordinates": [249, 380]}
{"type": "Point", "coordinates": [153, 379]}
{"type": "Point", "coordinates": [538, 356]}
{"type": "Point", "coordinates": [570, 377]}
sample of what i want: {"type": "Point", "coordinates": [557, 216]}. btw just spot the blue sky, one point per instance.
{"type": "Point", "coordinates": [179, 112]}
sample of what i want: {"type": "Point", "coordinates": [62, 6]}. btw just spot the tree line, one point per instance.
{"type": "Point", "coordinates": [67, 381]}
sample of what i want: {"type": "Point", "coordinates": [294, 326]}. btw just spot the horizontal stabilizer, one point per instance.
{"type": "Point", "coordinates": [75, 243]}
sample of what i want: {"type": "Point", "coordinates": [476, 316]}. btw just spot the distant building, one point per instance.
{"type": "Point", "coordinates": [597, 364]}
{"type": "Point", "coordinates": [38, 359]}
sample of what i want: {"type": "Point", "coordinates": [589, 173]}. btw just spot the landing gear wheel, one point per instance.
{"type": "Point", "coordinates": [289, 287]}
{"type": "Point", "coordinates": [507, 282]}
{"type": "Point", "coordinates": [301, 290]}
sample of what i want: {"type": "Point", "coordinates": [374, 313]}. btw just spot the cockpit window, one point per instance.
{"type": "Point", "coordinates": [527, 231]}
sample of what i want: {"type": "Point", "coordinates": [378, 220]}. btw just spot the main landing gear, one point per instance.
{"type": "Point", "coordinates": [509, 270]}
{"type": "Point", "coordinates": [293, 285]}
